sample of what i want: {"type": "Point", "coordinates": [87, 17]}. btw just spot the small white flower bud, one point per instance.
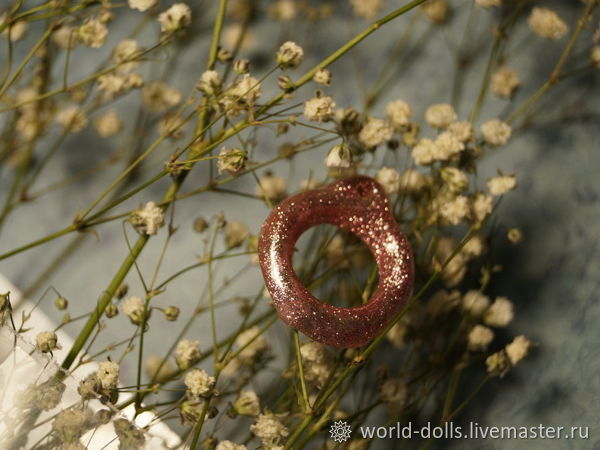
{"type": "Point", "coordinates": [210, 82]}
{"type": "Point", "coordinates": [500, 313]}
{"type": "Point", "coordinates": [547, 24]}
{"type": "Point", "coordinates": [495, 132]}
{"type": "Point", "coordinates": [148, 219]}
{"type": "Point", "coordinates": [440, 115]}
{"type": "Point", "coordinates": [171, 313]}
{"type": "Point", "coordinates": [517, 349]}
{"type": "Point", "coordinates": [290, 55]}
{"type": "Point", "coordinates": [319, 109]}
{"type": "Point", "coordinates": [479, 338]}
{"type": "Point", "coordinates": [177, 17]}
{"type": "Point", "coordinates": [502, 184]}
{"type": "Point", "coordinates": [133, 307]}
{"type": "Point", "coordinates": [199, 382]}
{"type": "Point", "coordinates": [475, 303]}
{"type": "Point", "coordinates": [46, 341]}
{"type": "Point", "coordinates": [339, 157]}
{"type": "Point", "coordinates": [322, 77]}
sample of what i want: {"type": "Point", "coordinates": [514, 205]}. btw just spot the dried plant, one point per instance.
{"type": "Point", "coordinates": [255, 382]}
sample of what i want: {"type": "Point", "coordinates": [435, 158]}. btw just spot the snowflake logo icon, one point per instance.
{"type": "Point", "coordinates": [340, 431]}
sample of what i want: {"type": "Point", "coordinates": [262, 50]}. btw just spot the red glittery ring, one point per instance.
{"type": "Point", "coordinates": [358, 205]}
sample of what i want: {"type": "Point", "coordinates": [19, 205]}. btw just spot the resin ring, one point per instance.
{"type": "Point", "coordinates": [358, 205]}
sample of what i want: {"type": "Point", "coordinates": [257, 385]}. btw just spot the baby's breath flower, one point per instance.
{"type": "Point", "coordinates": [141, 5]}
{"type": "Point", "coordinates": [366, 9]}
{"type": "Point", "coordinates": [108, 124]}
{"type": "Point", "coordinates": [158, 96]}
{"type": "Point", "coordinates": [254, 342]}
{"type": "Point", "coordinates": [171, 313]}
{"type": "Point", "coordinates": [500, 313]}
{"type": "Point", "coordinates": [134, 80]}
{"type": "Point", "coordinates": [235, 234]}
{"type": "Point", "coordinates": [187, 353]}
{"type": "Point", "coordinates": [111, 310]}
{"type": "Point", "coordinates": [423, 152]}
{"type": "Point", "coordinates": [111, 84]}
{"type": "Point", "coordinates": [108, 374]}
{"type": "Point", "coordinates": [498, 364]}
{"type": "Point", "coordinates": [455, 210]}
{"type": "Point", "coordinates": [455, 179]}
{"type": "Point", "coordinates": [72, 118]}
{"type": "Point", "coordinates": [283, 10]}
{"type": "Point", "coordinates": [389, 178]}
{"type": "Point", "coordinates": [517, 349]}
{"type": "Point", "coordinates": [290, 55]}
{"type": "Point", "coordinates": [412, 181]}
{"type": "Point", "coordinates": [46, 341]}
{"type": "Point", "coordinates": [149, 219]}
{"type": "Point", "coordinates": [393, 393]}
{"type": "Point", "coordinates": [319, 109]}
{"type": "Point", "coordinates": [475, 303]}
{"type": "Point", "coordinates": [446, 146]}
{"type": "Point", "coordinates": [171, 125]}
{"type": "Point", "coordinates": [269, 429]}
{"type": "Point", "coordinates": [339, 157]}
{"type": "Point", "coordinates": [210, 82]}
{"type": "Point", "coordinates": [440, 115]}
{"type": "Point", "coordinates": [177, 17]}
{"type": "Point", "coordinates": [191, 411]}
{"type": "Point", "coordinates": [241, 66]}
{"type": "Point", "coordinates": [474, 246]}
{"type": "Point", "coordinates": [488, 3]}
{"type": "Point", "coordinates": [504, 82]}
{"type": "Point", "coordinates": [547, 24]}
{"type": "Point", "coordinates": [228, 445]}
{"type": "Point", "coordinates": [479, 338]}
{"type": "Point", "coordinates": [47, 395]}
{"type": "Point", "coordinates": [231, 161]}
{"type": "Point", "coordinates": [481, 206]}
{"type": "Point", "coordinates": [247, 404]}
{"type": "Point", "coordinates": [133, 307]}
{"type": "Point", "coordinates": [398, 334]}
{"type": "Point", "coordinates": [595, 56]}
{"type": "Point", "coordinates": [495, 132]}
{"type": "Point", "coordinates": [436, 10]}
{"type": "Point", "coordinates": [247, 89]}
{"type": "Point", "coordinates": [92, 33]}
{"type": "Point", "coordinates": [90, 387]}
{"type": "Point", "coordinates": [317, 362]}
{"type": "Point", "coordinates": [61, 303]}
{"type": "Point", "coordinates": [463, 131]}
{"type": "Point", "coordinates": [70, 424]}
{"type": "Point", "coordinates": [17, 29]}
{"type": "Point", "coordinates": [65, 37]}
{"type": "Point", "coordinates": [130, 437]}
{"type": "Point", "coordinates": [442, 302]}
{"type": "Point", "coordinates": [515, 235]}
{"type": "Point", "coordinates": [199, 382]}
{"type": "Point", "coordinates": [123, 55]}
{"type": "Point", "coordinates": [272, 187]}
{"type": "Point", "coordinates": [398, 113]}
{"type": "Point", "coordinates": [322, 77]}
{"type": "Point", "coordinates": [375, 132]}
{"type": "Point", "coordinates": [502, 184]}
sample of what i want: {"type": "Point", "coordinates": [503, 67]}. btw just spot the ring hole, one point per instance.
{"type": "Point", "coordinates": [335, 266]}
